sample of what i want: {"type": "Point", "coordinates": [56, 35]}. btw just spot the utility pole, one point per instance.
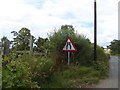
{"type": "Point", "coordinates": [95, 29]}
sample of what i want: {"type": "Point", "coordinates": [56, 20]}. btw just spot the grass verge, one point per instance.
{"type": "Point", "coordinates": [74, 77]}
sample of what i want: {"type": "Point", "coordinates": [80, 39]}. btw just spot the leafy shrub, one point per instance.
{"type": "Point", "coordinates": [43, 70]}
{"type": "Point", "coordinates": [115, 47]}
{"type": "Point", "coordinates": [26, 70]}
{"type": "Point", "coordinates": [57, 39]}
{"type": "Point", "coordinates": [101, 56]}
{"type": "Point", "coordinates": [16, 74]}
{"type": "Point", "coordinates": [84, 54]}
{"type": "Point", "coordinates": [102, 67]}
{"type": "Point", "coordinates": [102, 63]}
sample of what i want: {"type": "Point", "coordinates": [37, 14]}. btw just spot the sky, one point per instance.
{"type": "Point", "coordinates": [43, 16]}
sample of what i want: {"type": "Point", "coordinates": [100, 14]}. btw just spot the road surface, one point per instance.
{"type": "Point", "coordinates": [112, 80]}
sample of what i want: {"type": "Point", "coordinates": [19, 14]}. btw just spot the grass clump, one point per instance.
{"type": "Point", "coordinates": [74, 77]}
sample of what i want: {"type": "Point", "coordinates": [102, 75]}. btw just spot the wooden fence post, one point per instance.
{"type": "Point", "coordinates": [31, 44]}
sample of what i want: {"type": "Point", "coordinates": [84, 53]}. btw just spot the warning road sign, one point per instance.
{"type": "Point", "coordinates": [69, 46]}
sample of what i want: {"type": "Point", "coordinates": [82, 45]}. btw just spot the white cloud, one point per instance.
{"type": "Point", "coordinates": [43, 17]}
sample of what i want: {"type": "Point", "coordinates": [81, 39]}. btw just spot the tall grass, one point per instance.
{"type": "Point", "coordinates": [74, 77]}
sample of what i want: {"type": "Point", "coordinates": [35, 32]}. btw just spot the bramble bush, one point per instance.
{"type": "Point", "coordinates": [26, 71]}
{"type": "Point", "coordinates": [43, 70]}
{"type": "Point", "coordinates": [16, 73]}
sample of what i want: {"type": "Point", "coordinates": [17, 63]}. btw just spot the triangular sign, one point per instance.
{"type": "Point", "coordinates": [69, 46]}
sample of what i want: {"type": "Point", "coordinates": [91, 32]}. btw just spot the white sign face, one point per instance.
{"type": "Point", "coordinates": [69, 47]}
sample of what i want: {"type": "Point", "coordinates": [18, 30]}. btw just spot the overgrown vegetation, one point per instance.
{"type": "Point", "coordinates": [50, 70]}
{"type": "Point", "coordinates": [115, 47]}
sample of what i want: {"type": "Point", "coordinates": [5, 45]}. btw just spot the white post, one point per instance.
{"type": "Point", "coordinates": [68, 58]}
{"type": "Point", "coordinates": [31, 44]}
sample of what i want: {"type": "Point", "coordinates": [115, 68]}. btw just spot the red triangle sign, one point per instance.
{"type": "Point", "coordinates": [69, 46]}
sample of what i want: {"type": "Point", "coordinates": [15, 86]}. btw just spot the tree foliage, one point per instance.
{"type": "Point", "coordinates": [16, 73]}
{"type": "Point", "coordinates": [5, 44]}
{"type": "Point", "coordinates": [3, 38]}
{"type": "Point", "coordinates": [115, 46]}
{"type": "Point", "coordinates": [40, 45]}
{"type": "Point", "coordinates": [22, 39]}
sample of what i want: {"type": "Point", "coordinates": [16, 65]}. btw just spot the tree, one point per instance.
{"type": "Point", "coordinates": [22, 39]}
{"type": "Point", "coordinates": [115, 46]}
{"type": "Point", "coordinates": [40, 44]}
{"type": "Point", "coordinates": [5, 45]}
{"type": "Point", "coordinates": [3, 38]}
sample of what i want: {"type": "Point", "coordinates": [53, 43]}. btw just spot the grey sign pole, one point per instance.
{"type": "Point", "coordinates": [68, 58]}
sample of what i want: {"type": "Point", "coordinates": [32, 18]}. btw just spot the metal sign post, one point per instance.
{"type": "Point", "coordinates": [68, 58]}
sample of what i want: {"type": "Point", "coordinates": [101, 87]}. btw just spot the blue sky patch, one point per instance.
{"type": "Point", "coordinates": [69, 15]}
{"type": "Point", "coordinates": [87, 24]}
{"type": "Point", "coordinates": [35, 3]}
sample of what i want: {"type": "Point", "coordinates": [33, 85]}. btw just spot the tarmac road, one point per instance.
{"type": "Point", "coordinates": [112, 80]}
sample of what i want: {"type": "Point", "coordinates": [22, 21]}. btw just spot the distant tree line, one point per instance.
{"type": "Point", "coordinates": [21, 41]}
{"type": "Point", "coordinates": [115, 46]}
